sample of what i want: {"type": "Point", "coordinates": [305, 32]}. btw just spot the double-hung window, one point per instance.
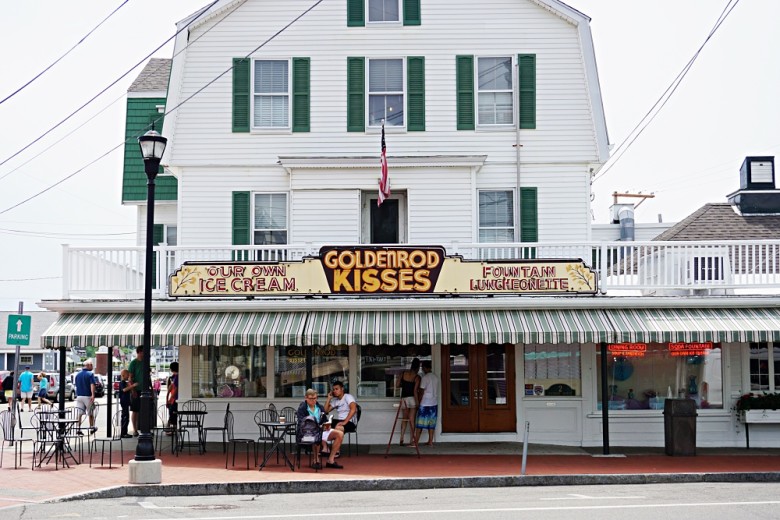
{"type": "Point", "coordinates": [764, 366]}
{"type": "Point", "coordinates": [494, 91]}
{"type": "Point", "coordinates": [271, 94]}
{"type": "Point", "coordinates": [383, 11]}
{"type": "Point", "coordinates": [270, 222]}
{"type": "Point", "coordinates": [496, 216]}
{"type": "Point", "coordinates": [386, 92]}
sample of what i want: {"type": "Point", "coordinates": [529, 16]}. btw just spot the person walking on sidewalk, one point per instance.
{"type": "Point", "coordinates": [43, 389]}
{"type": "Point", "coordinates": [85, 395]}
{"type": "Point", "coordinates": [124, 403]}
{"type": "Point", "coordinates": [8, 386]}
{"type": "Point", "coordinates": [26, 388]}
{"type": "Point", "coordinates": [429, 403]}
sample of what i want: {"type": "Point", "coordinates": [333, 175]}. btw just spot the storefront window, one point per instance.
{"type": "Point", "coordinates": [552, 370]}
{"type": "Point", "coordinates": [329, 364]}
{"type": "Point", "coordinates": [228, 372]}
{"type": "Point", "coordinates": [641, 376]}
{"type": "Point", "coordinates": [764, 367]}
{"type": "Point", "coordinates": [381, 367]}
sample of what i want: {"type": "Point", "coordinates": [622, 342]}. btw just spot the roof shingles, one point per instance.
{"type": "Point", "coordinates": [719, 221]}
{"type": "Point", "coordinates": [153, 77]}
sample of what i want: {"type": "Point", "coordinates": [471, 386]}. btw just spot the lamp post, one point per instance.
{"type": "Point", "coordinates": [152, 148]}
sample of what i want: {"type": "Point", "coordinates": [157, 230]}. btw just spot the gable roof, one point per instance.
{"type": "Point", "coordinates": [153, 77]}
{"type": "Point", "coordinates": [719, 221]}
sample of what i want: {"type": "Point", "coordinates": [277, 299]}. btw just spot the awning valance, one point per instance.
{"type": "Point", "coordinates": [691, 325]}
{"type": "Point", "coordinates": [478, 326]}
{"type": "Point", "coordinates": [196, 328]}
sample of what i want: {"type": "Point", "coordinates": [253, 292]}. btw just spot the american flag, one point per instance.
{"type": "Point", "coordinates": [384, 182]}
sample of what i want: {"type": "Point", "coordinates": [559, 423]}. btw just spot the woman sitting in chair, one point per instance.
{"type": "Point", "coordinates": [311, 408]}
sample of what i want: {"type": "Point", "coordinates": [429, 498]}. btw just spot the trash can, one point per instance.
{"type": "Point", "coordinates": [680, 427]}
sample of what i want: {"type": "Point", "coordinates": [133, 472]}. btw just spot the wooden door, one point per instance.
{"type": "Point", "coordinates": [478, 388]}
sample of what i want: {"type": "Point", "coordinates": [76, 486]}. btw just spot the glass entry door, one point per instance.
{"type": "Point", "coordinates": [478, 388]}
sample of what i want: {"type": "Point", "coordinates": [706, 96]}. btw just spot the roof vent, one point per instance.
{"type": "Point", "coordinates": [757, 173]}
{"type": "Point", "coordinates": [757, 194]}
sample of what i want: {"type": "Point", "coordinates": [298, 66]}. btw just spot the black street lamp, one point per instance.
{"type": "Point", "coordinates": [152, 148]}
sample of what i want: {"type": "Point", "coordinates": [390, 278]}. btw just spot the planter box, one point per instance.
{"type": "Point", "coordinates": [760, 416]}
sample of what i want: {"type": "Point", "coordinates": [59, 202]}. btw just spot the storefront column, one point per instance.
{"type": "Point", "coordinates": [604, 399]}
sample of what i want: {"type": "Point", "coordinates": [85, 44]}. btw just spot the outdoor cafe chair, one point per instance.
{"type": "Point", "coordinates": [235, 441]}
{"type": "Point", "coordinates": [222, 429]}
{"type": "Point", "coordinates": [116, 436]}
{"type": "Point", "coordinates": [192, 423]}
{"type": "Point", "coordinates": [291, 417]}
{"type": "Point", "coordinates": [162, 429]}
{"type": "Point", "coordinates": [8, 426]}
{"type": "Point", "coordinates": [264, 434]}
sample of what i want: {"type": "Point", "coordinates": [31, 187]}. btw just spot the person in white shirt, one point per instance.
{"type": "Point", "coordinates": [428, 413]}
{"type": "Point", "coordinates": [345, 406]}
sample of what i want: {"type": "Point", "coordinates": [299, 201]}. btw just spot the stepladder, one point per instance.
{"type": "Point", "coordinates": [401, 416]}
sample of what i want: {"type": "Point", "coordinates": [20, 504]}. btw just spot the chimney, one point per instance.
{"type": "Point", "coordinates": [757, 194]}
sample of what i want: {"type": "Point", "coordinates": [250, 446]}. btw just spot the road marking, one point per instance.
{"type": "Point", "coordinates": [486, 510]}
{"type": "Point", "coordinates": [150, 505]}
{"type": "Point", "coordinates": [574, 496]}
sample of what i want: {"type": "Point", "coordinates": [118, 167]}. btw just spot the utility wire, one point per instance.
{"type": "Point", "coordinates": [661, 102]}
{"type": "Point", "coordinates": [54, 234]}
{"type": "Point", "coordinates": [108, 87]}
{"type": "Point", "coordinates": [122, 143]}
{"type": "Point", "coordinates": [30, 279]}
{"type": "Point", "coordinates": [41, 73]}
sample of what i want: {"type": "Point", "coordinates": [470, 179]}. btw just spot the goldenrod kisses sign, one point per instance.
{"type": "Point", "coordinates": [386, 271]}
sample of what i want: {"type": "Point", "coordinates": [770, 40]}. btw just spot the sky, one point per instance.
{"type": "Point", "coordinates": [726, 108]}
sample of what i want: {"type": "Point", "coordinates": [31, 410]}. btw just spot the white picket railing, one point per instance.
{"type": "Point", "coordinates": [644, 267]}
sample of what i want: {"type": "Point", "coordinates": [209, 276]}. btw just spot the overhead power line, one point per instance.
{"type": "Point", "coordinates": [38, 194]}
{"type": "Point", "coordinates": [667, 94]}
{"type": "Point", "coordinates": [44, 71]}
{"type": "Point", "coordinates": [93, 98]}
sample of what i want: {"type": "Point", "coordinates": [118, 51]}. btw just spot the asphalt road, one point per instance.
{"type": "Point", "coordinates": [638, 502]}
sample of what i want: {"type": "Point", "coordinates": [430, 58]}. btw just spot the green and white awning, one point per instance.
{"type": "Point", "coordinates": [693, 325]}
{"type": "Point", "coordinates": [197, 328]}
{"type": "Point", "coordinates": [410, 327]}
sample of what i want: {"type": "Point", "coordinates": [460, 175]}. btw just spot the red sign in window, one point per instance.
{"type": "Point", "coordinates": [690, 349]}
{"type": "Point", "coordinates": [627, 349]}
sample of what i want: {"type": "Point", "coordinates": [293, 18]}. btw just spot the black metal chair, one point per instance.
{"type": "Point", "coordinates": [264, 436]}
{"type": "Point", "coordinates": [349, 435]}
{"type": "Point", "coordinates": [115, 437]}
{"type": "Point", "coordinates": [164, 429]}
{"type": "Point", "coordinates": [8, 426]}
{"type": "Point", "coordinates": [193, 423]}
{"type": "Point", "coordinates": [222, 429]}
{"type": "Point", "coordinates": [235, 441]}
{"type": "Point", "coordinates": [291, 417]}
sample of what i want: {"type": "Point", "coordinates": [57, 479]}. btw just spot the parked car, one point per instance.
{"type": "Point", "coordinates": [54, 389]}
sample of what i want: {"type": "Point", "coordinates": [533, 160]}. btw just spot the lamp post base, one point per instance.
{"type": "Point", "coordinates": [145, 472]}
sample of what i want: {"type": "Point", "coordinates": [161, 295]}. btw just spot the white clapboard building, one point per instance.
{"type": "Point", "coordinates": [275, 268]}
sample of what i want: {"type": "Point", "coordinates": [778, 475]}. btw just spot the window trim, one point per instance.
{"type": "Point", "coordinates": [513, 94]}
{"type": "Point", "coordinates": [404, 93]}
{"type": "Point", "coordinates": [400, 20]}
{"type": "Point", "coordinates": [771, 374]}
{"type": "Point", "coordinates": [253, 95]}
{"type": "Point", "coordinates": [25, 359]}
{"type": "Point", "coordinates": [365, 214]}
{"type": "Point", "coordinates": [513, 205]}
{"type": "Point", "coordinates": [253, 229]}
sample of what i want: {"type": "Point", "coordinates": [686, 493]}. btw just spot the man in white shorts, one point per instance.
{"type": "Point", "coordinates": [85, 395]}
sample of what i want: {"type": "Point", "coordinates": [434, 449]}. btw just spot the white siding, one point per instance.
{"type": "Point", "coordinates": [163, 214]}
{"type": "Point", "coordinates": [320, 216]}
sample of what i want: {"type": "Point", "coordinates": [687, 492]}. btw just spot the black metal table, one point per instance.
{"type": "Point", "coordinates": [277, 431]}
{"type": "Point", "coordinates": [60, 448]}
{"type": "Point", "coordinates": [191, 419]}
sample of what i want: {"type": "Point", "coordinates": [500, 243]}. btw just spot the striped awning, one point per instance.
{"type": "Point", "coordinates": [691, 325]}
{"type": "Point", "coordinates": [410, 327]}
{"type": "Point", "coordinates": [196, 328]}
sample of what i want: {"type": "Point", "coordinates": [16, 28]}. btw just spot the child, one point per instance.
{"type": "Point", "coordinates": [43, 389]}
{"type": "Point", "coordinates": [124, 402]}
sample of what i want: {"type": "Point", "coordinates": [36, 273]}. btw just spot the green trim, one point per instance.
{"type": "Point", "coordinates": [242, 223]}
{"type": "Point", "coordinates": [529, 215]}
{"type": "Point", "coordinates": [412, 12]}
{"type": "Point", "coordinates": [527, 90]}
{"type": "Point", "coordinates": [415, 96]}
{"type": "Point", "coordinates": [464, 70]}
{"type": "Point", "coordinates": [356, 13]}
{"type": "Point", "coordinates": [241, 94]}
{"type": "Point", "coordinates": [356, 94]}
{"type": "Point", "coordinates": [301, 94]}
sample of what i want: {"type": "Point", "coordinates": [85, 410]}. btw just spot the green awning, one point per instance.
{"type": "Point", "coordinates": [691, 325]}
{"type": "Point", "coordinates": [409, 327]}
{"type": "Point", "coordinates": [196, 328]}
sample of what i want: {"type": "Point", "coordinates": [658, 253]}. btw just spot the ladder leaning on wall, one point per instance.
{"type": "Point", "coordinates": [399, 416]}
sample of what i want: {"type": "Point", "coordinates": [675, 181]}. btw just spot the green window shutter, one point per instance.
{"type": "Point", "coordinates": [158, 235]}
{"type": "Point", "coordinates": [464, 70]}
{"type": "Point", "coordinates": [356, 15]}
{"type": "Point", "coordinates": [356, 94]}
{"type": "Point", "coordinates": [241, 223]}
{"type": "Point", "coordinates": [529, 215]}
{"type": "Point", "coordinates": [527, 88]}
{"type": "Point", "coordinates": [241, 94]}
{"type": "Point", "coordinates": [415, 96]}
{"type": "Point", "coordinates": [411, 12]}
{"type": "Point", "coordinates": [301, 94]}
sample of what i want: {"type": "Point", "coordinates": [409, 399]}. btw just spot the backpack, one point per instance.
{"type": "Point", "coordinates": [309, 431]}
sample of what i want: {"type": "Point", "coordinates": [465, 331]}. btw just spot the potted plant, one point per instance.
{"type": "Point", "coordinates": [763, 407]}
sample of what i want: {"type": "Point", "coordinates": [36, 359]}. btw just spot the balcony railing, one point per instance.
{"type": "Point", "coordinates": [623, 267]}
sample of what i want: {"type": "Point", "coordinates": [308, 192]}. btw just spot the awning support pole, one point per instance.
{"type": "Point", "coordinates": [604, 399]}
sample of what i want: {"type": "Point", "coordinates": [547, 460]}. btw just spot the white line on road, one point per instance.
{"type": "Point", "coordinates": [487, 510]}
{"type": "Point", "coordinates": [587, 497]}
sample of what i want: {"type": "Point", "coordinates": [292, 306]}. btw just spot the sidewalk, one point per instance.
{"type": "Point", "coordinates": [444, 465]}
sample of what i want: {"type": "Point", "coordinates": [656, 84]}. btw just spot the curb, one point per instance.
{"type": "Point", "coordinates": [319, 486]}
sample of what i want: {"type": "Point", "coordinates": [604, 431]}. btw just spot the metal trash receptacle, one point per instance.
{"type": "Point", "coordinates": [680, 427]}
